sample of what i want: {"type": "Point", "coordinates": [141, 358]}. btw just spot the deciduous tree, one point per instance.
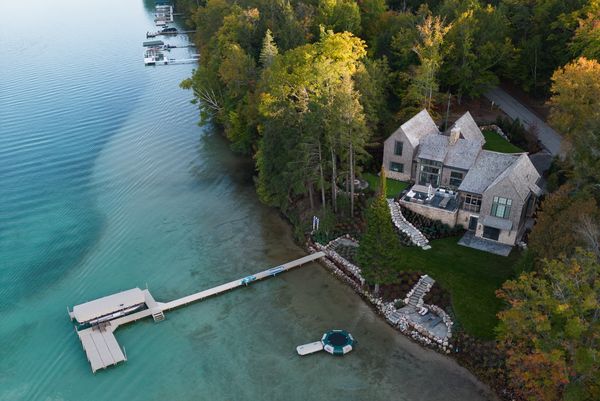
{"type": "Point", "coordinates": [575, 112]}
{"type": "Point", "coordinates": [423, 89]}
{"type": "Point", "coordinates": [551, 330]}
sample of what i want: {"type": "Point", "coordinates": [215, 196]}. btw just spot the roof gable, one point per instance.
{"type": "Point", "coordinates": [418, 127]}
{"type": "Point", "coordinates": [522, 175]}
{"type": "Point", "coordinates": [468, 128]}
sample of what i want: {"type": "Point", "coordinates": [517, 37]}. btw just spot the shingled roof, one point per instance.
{"type": "Point", "coordinates": [462, 154]}
{"type": "Point", "coordinates": [418, 127]}
{"type": "Point", "coordinates": [492, 167]}
{"type": "Point", "coordinates": [469, 129]}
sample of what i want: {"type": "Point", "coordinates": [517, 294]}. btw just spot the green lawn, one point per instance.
{"type": "Point", "coordinates": [394, 187]}
{"type": "Point", "coordinates": [495, 142]}
{"type": "Point", "coordinates": [472, 278]}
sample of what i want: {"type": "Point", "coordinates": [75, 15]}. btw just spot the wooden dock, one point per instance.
{"type": "Point", "coordinates": [239, 282]}
{"type": "Point", "coordinates": [101, 346]}
{"type": "Point", "coordinates": [168, 33]}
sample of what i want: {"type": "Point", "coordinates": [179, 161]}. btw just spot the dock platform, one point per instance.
{"type": "Point", "coordinates": [99, 342]}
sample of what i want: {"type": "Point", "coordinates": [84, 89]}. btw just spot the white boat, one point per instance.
{"type": "Point", "coordinates": [153, 56]}
{"type": "Point", "coordinates": [115, 315]}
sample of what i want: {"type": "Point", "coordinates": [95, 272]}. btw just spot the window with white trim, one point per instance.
{"type": "Point", "coordinates": [501, 207]}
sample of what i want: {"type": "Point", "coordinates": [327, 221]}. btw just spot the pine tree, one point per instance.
{"type": "Point", "coordinates": [379, 248]}
{"type": "Point", "coordinates": [269, 50]}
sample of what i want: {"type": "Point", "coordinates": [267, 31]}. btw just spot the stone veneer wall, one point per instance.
{"type": "Point", "coordinates": [431, 212]}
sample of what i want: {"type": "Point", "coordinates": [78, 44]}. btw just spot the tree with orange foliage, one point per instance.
{"type": "Point", "coordinates": [551, 330]}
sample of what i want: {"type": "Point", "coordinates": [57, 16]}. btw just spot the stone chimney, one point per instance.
{"type": "Point", "coordinates": [454, 135]}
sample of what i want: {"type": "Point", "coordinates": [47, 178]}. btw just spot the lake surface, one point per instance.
{"type": "Point", "coordinates": [108, 183]}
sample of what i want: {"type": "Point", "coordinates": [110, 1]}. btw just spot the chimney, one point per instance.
{"type": "Point", "coordinates": [454, 135]}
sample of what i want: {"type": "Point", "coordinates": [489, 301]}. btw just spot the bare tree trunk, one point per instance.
{"type": "Point", "coordinates": [333, 182]}
{"type": "Point", "coordinates": [535, 72]}
{"type": "Point", "coordinates": [351, 180]}
{"type": "Point", "coordinates": [347, 182]}
{"type": "Point", "coordinates": [447, 112]}
{"type": "Point", "coordinates": [590, 232]}
{"type": "Point", "coordinates": [310, 196]}
{"type": "Point", "coordinates": [322, 178]}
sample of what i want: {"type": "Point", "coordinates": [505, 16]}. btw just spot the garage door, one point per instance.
{"type": "Point", "coordinates": [491, 233]}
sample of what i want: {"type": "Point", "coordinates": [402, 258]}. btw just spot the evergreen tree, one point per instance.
{"type": "Point", "coordinates": [268, 51]}
{"type": "Point", "coordinates": [379, 248]}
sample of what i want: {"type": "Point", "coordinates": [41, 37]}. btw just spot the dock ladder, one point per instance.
{"type": "Point", "coordinates": [158, 316]}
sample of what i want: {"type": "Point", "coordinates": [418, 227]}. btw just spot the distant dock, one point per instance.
{"type": "Point", "coordinates": [167, 33]}
{"type": "Point", "coordinates": [105, 315]}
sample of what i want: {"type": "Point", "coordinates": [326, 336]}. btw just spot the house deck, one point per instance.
{"type": "Point", "coordinates": [438, 198]}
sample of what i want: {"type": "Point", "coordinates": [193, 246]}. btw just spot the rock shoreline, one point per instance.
{"type": "Point", "coordinates": [350, 274]}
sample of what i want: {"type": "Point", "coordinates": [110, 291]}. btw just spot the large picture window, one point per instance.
{"type": "Point", "coordinates": [501, 207]}
{"type": "Point", "coordinates": [470, 202]}
{"type": "Point", "coordinates": [456, 178]}
{"type": "Point", "coordinates": [430, 172]}
{"type": "Point", "coordinates": [398, 148]}
{"type": "Point", "coordinates": [397, 167]}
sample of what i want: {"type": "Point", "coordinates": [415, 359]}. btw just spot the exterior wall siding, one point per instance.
{"type": "Point", "coordinates": [463, 217]}
{"type": "Point", "coordinates": [406, 158]}
{"type": "Point", "coordinates": [503, 189]}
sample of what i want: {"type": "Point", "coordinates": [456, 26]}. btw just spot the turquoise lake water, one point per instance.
{"type": "Point", "coordinates": [108, 183]}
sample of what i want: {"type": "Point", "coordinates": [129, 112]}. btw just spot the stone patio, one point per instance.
{"type": "Point", "coordinates": [433, 323]}
{"type": "Point", "coordinates": [471, 241]}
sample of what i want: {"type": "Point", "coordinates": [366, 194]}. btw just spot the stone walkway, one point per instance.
{"type": "Point", "coordinates": [404, 226]}
{"type": "Point", "coordinates": [486, 245]}
{"type": "Point", "coordinates": [434, 324]}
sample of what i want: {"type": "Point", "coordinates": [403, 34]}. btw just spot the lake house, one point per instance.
{"type": "Point", "coordinates": [458, 182]}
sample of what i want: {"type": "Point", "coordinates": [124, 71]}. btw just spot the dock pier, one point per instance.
{"type": "Point", "coordinates": [105, 315]}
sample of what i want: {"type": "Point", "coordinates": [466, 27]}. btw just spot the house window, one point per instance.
{"type": "Point", "coordinates": [397, 167]}
{"type": "Point", "coordinates": [398, 148]}
{"type": "Point", "coordinates": [470, 202]}
{"type": "Point", "coordinates": [456, 178]}
{"type": "Point", "coordinates": [430, 172]}
{"type": "Point", "coordinates": [501, 207]}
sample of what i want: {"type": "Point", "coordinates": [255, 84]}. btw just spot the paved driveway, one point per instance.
{"type": "Point", "coordinates": [549, 138]}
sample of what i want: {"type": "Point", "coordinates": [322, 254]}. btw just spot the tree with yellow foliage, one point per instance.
{"type": "Point", "coordinates": [575, 112]}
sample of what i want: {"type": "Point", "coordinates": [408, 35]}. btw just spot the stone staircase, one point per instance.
{"type": "Point", "coordinates": [415, 296]}
{"type": "Point", "coordinates": [404, 226]}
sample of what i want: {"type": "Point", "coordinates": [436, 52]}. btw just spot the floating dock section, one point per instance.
{"type": "Point", "coordinates": [309, 348]}
{"type": "Point", "coordinates": [104, 315]}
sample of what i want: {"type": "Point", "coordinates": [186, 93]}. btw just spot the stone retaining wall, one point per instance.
{"type": "Point", "coordinates": [387, 309]}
